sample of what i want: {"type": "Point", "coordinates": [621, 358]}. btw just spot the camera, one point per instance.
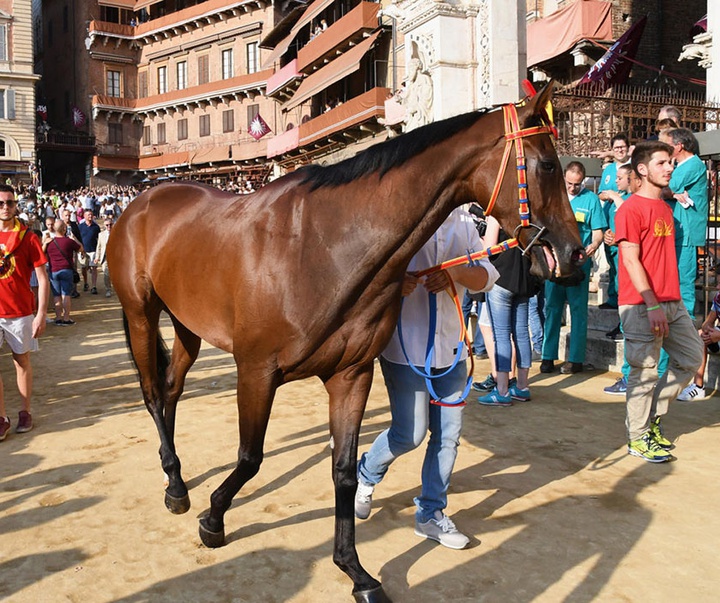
{"type": "Point", "coordinates": [479, 218]}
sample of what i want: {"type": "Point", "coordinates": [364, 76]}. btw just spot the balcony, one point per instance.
{"type": "Point", "coordinates": [283, 83]}
{"type": "Point", "coordinates": [173, 24]}
{"type": "Point", "coordinates": [237, 88]}
{"type": "Point", "coordinates": [349, 122]}
{"type": "Point", "coordinates": [60, 141]}
{"type": "Point", "coordinates": [339, 37]}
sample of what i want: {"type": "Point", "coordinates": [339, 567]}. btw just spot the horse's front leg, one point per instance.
{"type": "Point", "coordinates": [255, 393]}
{"type": "Point", "coordinates": [349, 391]}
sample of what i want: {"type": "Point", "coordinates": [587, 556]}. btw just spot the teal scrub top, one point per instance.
{"type": "Point", "coordinates": [607, 180]}
{"type": "Point", "coordinates": [588, 214]}
{"type": "Point", "coordinates": [690, 223]}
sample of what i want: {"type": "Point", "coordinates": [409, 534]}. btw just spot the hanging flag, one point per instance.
{"type": "Point", "coordinates": [78, 117]}
{"type": "Point", "coordinates": [42, 112]}
{"type": "Point", "coordinates": [258, 127]}
{"type": "Point", "coordinates": [614, 66]}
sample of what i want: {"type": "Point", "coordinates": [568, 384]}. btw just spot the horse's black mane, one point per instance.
{"type": "Point", "coordinates": [389, 154]}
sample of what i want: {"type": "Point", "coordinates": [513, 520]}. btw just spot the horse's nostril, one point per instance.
{"type": "Point", "coordinates": [578, 256]}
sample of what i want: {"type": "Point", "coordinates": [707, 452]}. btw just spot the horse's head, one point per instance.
{"type": "Point", "coordinates": [552, 234]}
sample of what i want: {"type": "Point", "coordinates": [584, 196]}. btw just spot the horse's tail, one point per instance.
{"type": "Point", "coordinates": [161, 352]}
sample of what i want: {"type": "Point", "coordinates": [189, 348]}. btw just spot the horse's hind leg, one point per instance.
{"type": "Point", "coordinates": [150, 356]}
{"type": "Point", "coordinates": [349, 391]}
{"type": "Point", "coordinates": [255, 393]}
{"type": "Point", "coordinates": [186, 348]}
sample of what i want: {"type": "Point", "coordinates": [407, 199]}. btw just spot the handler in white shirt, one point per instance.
{"type": "Point", "coordinates": [413, 414]}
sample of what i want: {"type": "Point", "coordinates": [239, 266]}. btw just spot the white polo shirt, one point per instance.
{"type": "Point", "coordinates": [454, 238]}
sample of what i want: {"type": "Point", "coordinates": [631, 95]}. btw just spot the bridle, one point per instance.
{"type": "Point", "coordinates": [514, 136]}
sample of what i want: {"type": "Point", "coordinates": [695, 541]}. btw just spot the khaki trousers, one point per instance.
{"type": "Point", "coordinates": [647, 397]}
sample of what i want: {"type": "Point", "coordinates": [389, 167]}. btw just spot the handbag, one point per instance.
{"type": "Point", "coordinates": [75, 273]}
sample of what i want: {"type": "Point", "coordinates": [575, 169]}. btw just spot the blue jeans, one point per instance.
{"type": "Point", "coordinates": [478, 343]}
{"type": "Point", "coordinates": [412, 416]}
{"type": "Point", "coordinates": [536, 319]}
{"type": "Point", "coordinates": [61, 282]}
{"type": "Point", "coordinates": [509, 317]}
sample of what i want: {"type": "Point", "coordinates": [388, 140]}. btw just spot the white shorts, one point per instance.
{"type": "Point", "coordinates": [484, 318]}
{"type": "Point", "coordinates": [89, 261]}
{"type": "Point", "coordinates": [18, 333]}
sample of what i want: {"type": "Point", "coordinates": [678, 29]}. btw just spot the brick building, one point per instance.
{"type": "Point", "coordinates": [144, 89]}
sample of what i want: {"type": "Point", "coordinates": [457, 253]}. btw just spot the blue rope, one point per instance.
{"type": "Point", "coordinates": [427, 373]}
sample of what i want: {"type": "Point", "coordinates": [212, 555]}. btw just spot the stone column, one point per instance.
{"type": "Point", "coordinates": [475, 52]}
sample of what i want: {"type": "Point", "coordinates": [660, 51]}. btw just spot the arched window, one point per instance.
{"type": "Point", "coordinates": [2, 148]}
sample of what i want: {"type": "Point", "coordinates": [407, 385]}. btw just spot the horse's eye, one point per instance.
{"type": "Point", "coordinates": [548, 166]}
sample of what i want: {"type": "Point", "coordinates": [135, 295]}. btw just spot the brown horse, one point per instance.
{"type": "Point", "coordinates": [303, 278]}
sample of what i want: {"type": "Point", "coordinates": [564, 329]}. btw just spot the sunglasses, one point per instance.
{"type": "Point", "coordinates": [7, 203]}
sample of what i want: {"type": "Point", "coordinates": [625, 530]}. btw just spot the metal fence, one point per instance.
{"type": "Point", "coordinates": [586, 122]}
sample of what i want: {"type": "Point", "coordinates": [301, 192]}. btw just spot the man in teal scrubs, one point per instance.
{"type": "Point", "coordinates": [688, 197]}
{"type": "Point", "coordinates": [608, 182]}
{"type": "Point", "coordinates": [591, 224]}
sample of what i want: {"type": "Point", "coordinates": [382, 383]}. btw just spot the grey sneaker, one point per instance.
{"type": "Point", "coordinates": [363, 500]}
{"type": "Point", "coordinates": [443, 530]}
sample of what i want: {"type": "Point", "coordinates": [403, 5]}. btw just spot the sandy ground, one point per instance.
{"type": "Point", "coordinates": [556, 509]}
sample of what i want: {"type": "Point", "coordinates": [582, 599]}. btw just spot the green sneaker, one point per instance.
{"type": "Point", "coordinates": [657, 434]}
{"type": "Point", "coordinates": [648, 449]}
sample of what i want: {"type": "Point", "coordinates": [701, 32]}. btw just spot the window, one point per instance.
{"type": "Point", "coordinates": [3, 150]}
{"type": "Point", "coordinates": [228, 120]}
{"type": "Point", "coordinates": [252, 111]}
{"type": "Point", "coordinates": [182, 75]}
{"type": "Point", "coordinates": [142, 84]}
{"type": "Point", "coordinates": [115, 133]}
{"type": "Point", "coordinates": [3, 42]}
{"type": "Point", "coordinates": [112, 87]}
{"type": "Point", "coordinates": [161, 139]}
{"type": "Point", "coordinates": [2, 104]}
{"type": "Point", "coordinates": [182, 129]}
{"type": "Point", "coordinates": [204, 125]}
{"type": "Point", "coordinates": [253, 56]}
{"type": "Point", "coordinates": [227, 64]}
{"type": "Point", "coordinates": [162, 80]}
{"type": "Point", "coordinates": [147, 136]}
{"type": "Point", "coordinates": [203, 69]}
{"type": "Point", "coordinates": [65, 18]}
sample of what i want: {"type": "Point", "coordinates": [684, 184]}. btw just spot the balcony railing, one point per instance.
{"type": "Point", "coordinates": [62, 139]}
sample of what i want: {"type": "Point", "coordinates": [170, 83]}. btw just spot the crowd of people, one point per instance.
{"type": "Point", "coordinates": [649, 216]}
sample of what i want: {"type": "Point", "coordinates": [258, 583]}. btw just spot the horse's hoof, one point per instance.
{"type": "Point", "coordinates": [178, 506]}
{"type": "Point", "coordinates": [211, 539]}
{"type": "Point", "coordinates": [374, 595]}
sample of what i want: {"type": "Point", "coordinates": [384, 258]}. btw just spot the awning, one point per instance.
{"type": "Point", "coordinates": [211, 154]}
{"type": "Point", "coordinates": [140, 4]}
{"type": "Point", "coordinates": [552, 36]}
{"type": "Point", "coordinates": [125, 4]}
{"type": "Point", "coordinates": [282, 29]}
{"type": "Point", "coordinates": [331, 73]}
{"type": "Point", "coordinates": [311, 13]}
{"type": "Point", "coordinates": [278, 51]}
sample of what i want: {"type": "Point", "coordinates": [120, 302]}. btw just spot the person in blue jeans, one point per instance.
{"type": "Point", "coordinates": [412, 410]}
{"type": "Point", "coordinates": [508, 308]}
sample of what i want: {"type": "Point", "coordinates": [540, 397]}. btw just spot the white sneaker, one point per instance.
{"type": "Point", "coordinates": [443, 530]}
{"type": "Point", "coordinates": [692, 392]}
{"type": "Point", "coordinates": [108, 293]}
{"type": "Point", "coordinates": [363, 500]}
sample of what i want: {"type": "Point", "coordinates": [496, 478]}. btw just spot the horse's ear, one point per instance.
{"type": "Point", "coordinates": [540, 105]}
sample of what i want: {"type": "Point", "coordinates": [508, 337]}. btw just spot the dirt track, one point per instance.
{"type": "Point", "coordinates": [557, 510]}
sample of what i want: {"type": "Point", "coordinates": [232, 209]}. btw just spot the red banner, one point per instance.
{"type": "Point", "coordinates": [614, 66]}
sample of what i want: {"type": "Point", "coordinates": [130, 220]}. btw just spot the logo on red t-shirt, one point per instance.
{"type": "Point", "coordinates": [662, 228]}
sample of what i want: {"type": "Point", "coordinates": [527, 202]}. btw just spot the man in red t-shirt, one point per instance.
{"type": "Point", "coordinates": [20, 255]}
{"type": "Point", "coordinates": [652, 313]}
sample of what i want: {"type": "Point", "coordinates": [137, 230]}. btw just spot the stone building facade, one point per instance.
{"type": "Point", "coordinates": [17, 91]}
